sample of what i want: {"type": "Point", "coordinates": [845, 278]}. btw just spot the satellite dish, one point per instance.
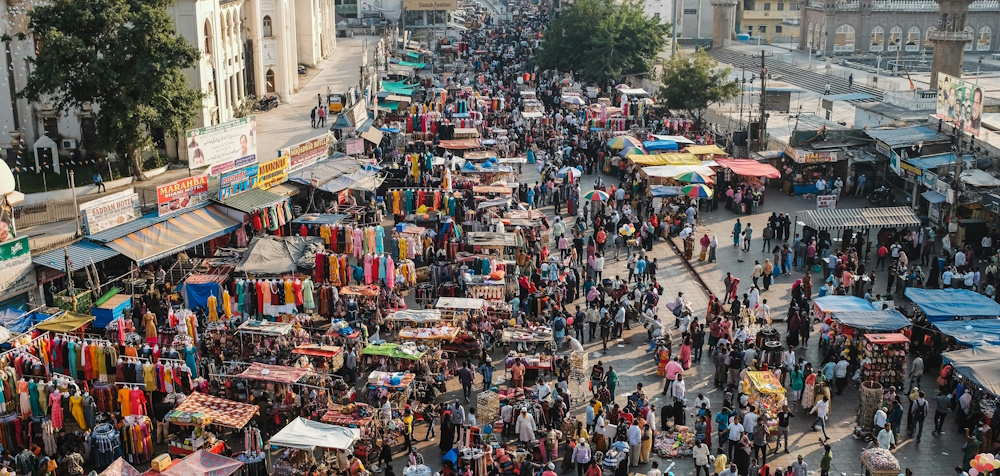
{"type": "Point", "coordinates": [7, 182]}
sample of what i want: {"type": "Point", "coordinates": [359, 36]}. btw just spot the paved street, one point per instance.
{"type": "Point", "coordinates": [935, 455]}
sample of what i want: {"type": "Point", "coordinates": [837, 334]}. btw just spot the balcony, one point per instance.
{"type": "Point", "coordinates": [959, 36]}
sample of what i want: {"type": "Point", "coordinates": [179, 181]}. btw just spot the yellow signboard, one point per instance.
{"type": "Point", "coordinates": [272, 173]}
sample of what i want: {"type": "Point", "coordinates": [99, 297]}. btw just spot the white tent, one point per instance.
{"type": "Point", "coordinates": [308, 435]}
{"type": "Point", "coordinates": [418, 316]}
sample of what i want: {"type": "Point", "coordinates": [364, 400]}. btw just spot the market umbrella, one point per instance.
{"type": "Point", "coordinates": [632, 150]}
{"type": "Point", "coordinates": [574, 172]}
{"type": "Point", "coordinates": [573, 100]}
{"type": "Point", "coordinates": [596, 195]}
{"type": "Point", "coordinates": [696, 190]}
{"type": "Point", "coordinates": [622, 142]}
{"type": "Point", "coordinates": [693, 177]}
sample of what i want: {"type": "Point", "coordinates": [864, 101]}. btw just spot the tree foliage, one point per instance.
{"type": "Point", "coordinates": [601, 40]}
{"type": "Point", "coordinates": [691, 83]}
{"type": "Point", "coordinates": [124, 58]}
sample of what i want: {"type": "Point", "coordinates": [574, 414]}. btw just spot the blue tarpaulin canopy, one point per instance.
{"type": "Point", "coordinates": [842, 304]}
{"type": "Point", "coordinates": [972, 333]}
{"type": "Point", "coordinates": [18, 322]}
{"type": "Point", "coordinates": [978, 364]}
{"type": "Point", "coordinates": [664, 191]}
{"type": "Point", "coordinates": [652, 145]}
{"type": "Point", "coordinates": [887, 320]}
{"type": "Point", "coordinates": [947, 304]}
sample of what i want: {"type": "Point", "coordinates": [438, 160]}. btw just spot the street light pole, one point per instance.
{"type": "Point", "coordinates": [878, 67]}
{"type": "Point", "coordinates": [76, 206]}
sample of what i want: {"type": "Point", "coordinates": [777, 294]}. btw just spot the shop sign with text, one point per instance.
{"type": "Point", "coordinates": [182, 194]}
{"type": "Point", "coordinates": [236, 182]}
{"type": "Point", "coordinates": [272, 173]}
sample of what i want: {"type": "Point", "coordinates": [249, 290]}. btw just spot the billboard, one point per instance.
{"type": "Point", "coordinates": [238, 181]}
{"type": "Point", "coordinates": [272, 173]}
{"type": "Point", "coordinates": [419, 5]}
{"type": "Point", "coordinates": [15, 268]}
{"type": "Point", "coordinates": [111, 211]}
{"type": "Point", "coordinates": [959, 102]}
{"type": "Point", "coordinates": [224, 146]}
{"type": "Point", "coordinates": [182, 194]}
{"type": "Point", "coordinates": [306, 153]}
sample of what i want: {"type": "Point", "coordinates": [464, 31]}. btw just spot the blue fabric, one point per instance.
{"type": "Point", "coordinates": [947, 304]}
{"type": "Point", "coordinates": [652, 145]}
{"type": "Point", "coordinates": [803, 189]}
{"type": "Point", "coordinates": [978, 333]}
{"type": "Point", "coordinates": [888, 320]}
{"type": "Point", "coordinates": [196, 295]}
{"type": "Point", "coordinates": [843, 303]}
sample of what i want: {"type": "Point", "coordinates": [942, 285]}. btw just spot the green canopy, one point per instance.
{"type": "Point", "coordinates": [397, 89]}
{"type": "Point", "coordinates": [412, 65]}
{"type": "Point", "coordinates": [390, 105]}
{"type": "Point", "coordinates": [412, 55]}
{"type": "Point", "coordinates": [391, 351]}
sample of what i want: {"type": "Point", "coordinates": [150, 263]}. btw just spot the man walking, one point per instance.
{"type": "Point", "coordinates": [747, 234]}
{"type": "Point", "coordinates": [943, 402]}
{"type": "Point", "coordinates": [767, 234]}
{"type": "Point", "coordinates": [312, 116]}
{"type": "Point", "coordinates": [99, 182]}
{"type": "Point", "coordinates": [322, 116]}
{"type": "Point", "coordinates": [466, 377]}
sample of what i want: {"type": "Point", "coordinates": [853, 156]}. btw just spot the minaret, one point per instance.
{"type": "Point", "coordinates": [949, 39]}
{"type": "Point", "coordinates": [722, 24]}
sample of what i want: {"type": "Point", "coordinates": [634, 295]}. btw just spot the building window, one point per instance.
{"type": "Point", "coordinates": [913, 39]}
{"type": "Point", "coordinates": [763, 29]}
{"type": "Point", "coordinates": [895, 35]}
{"type": "Point", "coordinates": [972, 33]}
{"type": "Point", "coordinates": [267, 26]}
{"type": "Point", "coordinates": [208, 38]}
{"type": "Point", "coordinates": [88, 132]}
{"type": "Point", "coordinates": [748, 5]}
{"type": "Point", "coordinates": [51, 126]}
{"type": "Point", "coordinates": [777, 28]}
{"type": "Point", "coordinates": [843, 41]}
{"type": "Point", "coordinates": [767, 6]}
{"type": "Point", "coordinates": [781, 6]}
{"type": "Point", "coordinates": [985, 34]}
{"type": "Point", "coordinates": [794, 6]}
{"type": "Point", "coordinates": [269, 79]}
{"type": "Point", "coordinates": [877, 42]}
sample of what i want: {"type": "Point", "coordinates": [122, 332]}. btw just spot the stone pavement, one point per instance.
{"type": "Point", "coordinates": [935, 455]}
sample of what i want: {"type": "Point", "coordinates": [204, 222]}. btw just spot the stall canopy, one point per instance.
{"type": "Point", "coordinates": [308, 435]}
{"type": "Point", "coordinates": [266, 328]}
{"type": "Point", "coordinates": [394, 351]}
{"type": "Point", "coordinates": [671, 171]}
{"type": "Point", "coordinates": [204, 463]}
{"type": "Point", "coordinates": [81, 254]}
{"type": "Point", "coordinates": [362, 179]}
{"type": "Point", "coordinates": [120, 467]}
{"type": "Point", "coordinates": [359, 290]}
{"type": "Point", "coordinates": [223, 412]}
{"type": "Point", "coordinates": [489, 239]}
{"type": "Point", "coordinates": [978, 364]}
{"type": "Point", "coordinates": [977, 333]}
{"type": "Point", "coordinates": [319, 219]}
{"type": "Point", "coordinates": [947, 304]}
{"type": "Point", "coordinates": [749, 167]}
{"type": "Point", "coordinates": [704, 150]}
{"type": "Point", "coordinates": [887, 320]}
{"type": "Point", "coordinates": [418, 316]}
{"type": "Point", "coordinates": [199, 287]}
{"type": "Point", "coordinates": [674, 158]}
{"type": "Point", "coordinates": [273, 373]}
{"type": "Point", "coordinates": [660, 191]}
{"type": "Point", "coordinates": [676, 139]}
{"type": "Point", "coordinates": [65, 322]}
{"type": "Point", "coordinates": [271, 255]}
{"type": "Point", "coordinates": [19, 321]}
{"type": "Point", "coordinates": [248, 201]}
{"type": "Point", "coordinates": [460, 144]}
{"type": "Point", "coordinates": [842, 304]}
{"type": "Point", "coordinates": [838, 219]}
{"type": "Point", "coordinates": [460, 303]}
{"type": "Point", "coordinates": [316, 350]}
{"type": "Point", "coordinates": [176, 234]}
{"type": "Point", "coordinates": [325, 170]}
{"type": "Point", "coordinates": [652, 145]}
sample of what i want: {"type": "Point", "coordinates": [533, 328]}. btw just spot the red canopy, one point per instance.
{"type": "Point", "coordinates": [328, 351]}
{"type": "Point", "coordinates": [204, 463]}
{"type": "Point", "coordinates": [749, 167]}
{"type": "Point", "coordinates": [120, 467]}
{"type": "Point", "coordinates": [460, 144]}
{"type": "Point", "coordinates": [273, 373]}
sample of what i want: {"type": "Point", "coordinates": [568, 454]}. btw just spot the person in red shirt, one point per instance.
{"type": "Point", "coordinates": [602, 237]}
{"type": "Point", "coordinates": [882, 252]}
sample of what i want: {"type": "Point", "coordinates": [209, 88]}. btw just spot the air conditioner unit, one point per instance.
{"type": "Point", "coordinates": [69, 144]}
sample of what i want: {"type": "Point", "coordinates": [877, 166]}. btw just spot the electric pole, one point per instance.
{"type": "Point", "coordinates": [762, 138]}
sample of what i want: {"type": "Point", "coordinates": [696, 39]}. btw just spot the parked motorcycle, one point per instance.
{"type": "Point", "coordinates": [268, 103]}
{"type": "Point", "coordinates": [882, 196]}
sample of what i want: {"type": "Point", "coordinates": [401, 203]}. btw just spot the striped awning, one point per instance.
{"type": "Point", "coordinates": [81, 254]}
{"type": "Point", "coordinates": [174, 235]}
{"type": "Point", "coordinates": [883, 217]}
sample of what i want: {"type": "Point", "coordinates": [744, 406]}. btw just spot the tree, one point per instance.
{"type": "Point", "coordinates": [602, 40]}
{"type": "Point", "coordinates": [124, 58]}
{"type": "Point", "coordinates": [691, 83]}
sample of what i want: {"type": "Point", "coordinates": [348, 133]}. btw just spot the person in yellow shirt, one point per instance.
{"type": "Point", "coordinates": [721, 461]}
{"type": "Point", "coordinates": [408, 433]}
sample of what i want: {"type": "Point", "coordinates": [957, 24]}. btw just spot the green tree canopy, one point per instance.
{"type": "Point", "coordinates": [124, 58]}
{"type": "Point", "coordinates": [691, 83]}
{"type": "Point", "coordinates": [602, 40]}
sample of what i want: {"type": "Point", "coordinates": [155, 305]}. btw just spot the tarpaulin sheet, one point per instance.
{"type": "Point", "coordinates": [270, 255]}
{"type": "Point", "coordinates": [749, 167]}
{"type": "Point", "coordinates": [223, 412]}
{"type": "Point", "coordinates": [660, 191]}
{"type": "Point", "coordinates": [196, 294]}
{"type": "Point", "coordinates": [176, 234]}
{"type": "Point", "coordinates": [704, 150]}
{"type": "Point", "coordinates": [392, 350]}
{"type": "Point", "coordinates": [978, 364]}
{"type": "Point", "coordinates": [947, 304]}
{"type": "Point", "coordinates": [360, 179]}
{"type": "Point", "coordinates": [20, 322]}
{"type": "Point", "coordinates": [418, 316]}
{"type": "Point", "coordinates": [204, 463]}
{"type": "Point", "coordinates": [460, 144]}
{"type": "Point", "coordinates": [316, 350]}
{"type": "Point", "coordinates": [273, 373]}
{"type": "Point", "coordinates": [308, 435]}
{"type": "Point", "coordinates": [671, 171]}
{"type": "Point", "coordinates": [670, 158]}
{"type": "Point", "coordinates": [887, 320]}
{"type": "Point", "coordinates": [67, 322]}
{"type": "Point", "coordinates": [266, 328]}
{"type": "Point", "coordinates": [460, 303]}
{"type": "Point", "coordinates": [652, 145]}
{"type": "Point", "coordinates": [120, 467]}
{"type": "Point", "coordinates": [842, 303]}
{"type": "Point", "coordinates": [975, 333]}
{"type": "Point", "coordinates": [358, 290]}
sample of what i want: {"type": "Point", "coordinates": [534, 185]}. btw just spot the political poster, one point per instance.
{"type": "Point", "coordinates": [959, 103]}
{"type": "Point", "coordinates": [223, 146]}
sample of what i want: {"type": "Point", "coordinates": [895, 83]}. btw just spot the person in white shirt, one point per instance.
{"type": "Point", "coordinates": [735, 433]}
{"type": "Point", "coordinates": [525, 426]}
{"type": "Point", "coordinates": [885, 437]}
{"type": "Point", "coordinates": [678, 388]}
{"type": "Point", "coordinates": [702, 400]}
{"type": "Point", "coordinates": [880, 417]}
{"type": "Point", "coordinates": [916, 371]}
{"type": "Point", "coordinates": [840, 372]}
{"type": "Point", "coordinates": [821, 409]}
{"type": "Point", "coordinates": [750, 421]}
{"type": "Point", "coordinates": [634, 440]}
{"type": "Point", "coordinates": [700, 452]}
{"type": "Point", "coordinates": [959, 260]}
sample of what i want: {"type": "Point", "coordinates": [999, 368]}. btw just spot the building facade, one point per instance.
{"type": "Point", "coordinates": [770, 20]}
{"type": "Point", "coordinates": [890, 26]}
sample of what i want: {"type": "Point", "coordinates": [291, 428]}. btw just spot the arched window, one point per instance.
{"type": "Point", "coordinates": [895, 36]}
{"type": "Point", "coordinates": [913, 39]}
{"type": "Point", "coordinates": [877, 42]}
{"type": "Point", "coordinates": [269, 79]}
{"type": "Point", "coordinates": [208, 37]}
{"type": "Point", "coordinates": [809, 36]}
{"type": "Point", "coordinates": [267, 26]}
{"type": "Point", "coordinates": [971, 32]}
{"type": "Point", "coordinates": [843, 41]}
{"type": "Point", "coordinates": [985, 37]}
{"type": "Point", "coordinates": [929, 45]}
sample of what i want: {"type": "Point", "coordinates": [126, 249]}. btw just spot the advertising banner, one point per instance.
{"type": "Point", "coordinates": [306, 153]}
{"type": "Point", "coordinates": [354, 146]}
{"type": "Point", "coordinates": [234, 183]}
{"type": "Point", "coordinates": [959, 103]}
{"type": "Point", "coordinates": [419, 5]}
{"type": "Point", "coordinates": [223, 144]}
{"type": "Point", "coordinates": [111, 211]}
{"type": "Point", "coordinates": [272, 173]}
{"type": "Point", "coordinates": [15, 268]}
{"type": "Point", "coordinates": [182, 194]}
{"type": "Point", "coordinates": [810, 157]}
{"type": "Point", "coordinates": [826, 201]}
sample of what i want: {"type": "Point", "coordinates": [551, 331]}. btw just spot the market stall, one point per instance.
{"type": "Point", "coordinates": [394, 356]}
{"type": "Point", "coordinates": [300, 440]}
{"type": "Point", "coordinates": [332, 354]}
{"type": "Point", "coordinates": [767, 394]}
{"type": "Point", "coordinates": [948, 304]}
{"type": "Point", "coordinates": [885, 357]}
{"type": "Point", "coordinates": [203, 463]}
{"type": "Point", "coordinates": [200, 410]}
{"type": "Point", "coordinates": [824, 307]}
{"type": "Point", "coordinates": [971, 333]}
{"type": "Point", "coordinates": [975, 369]}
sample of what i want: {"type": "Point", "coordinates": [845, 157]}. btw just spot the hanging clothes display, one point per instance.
{"type": "Point", "coordinates": [105, 445]}
{"type": "Point", "coordinates": [137, 440]}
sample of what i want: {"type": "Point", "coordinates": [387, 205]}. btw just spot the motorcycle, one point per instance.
{"type": "Point", "coordinates": [268, 103]}
{"type": "Point", "coordinates": [882, 196]}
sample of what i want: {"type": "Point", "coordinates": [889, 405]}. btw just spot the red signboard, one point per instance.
{"type": "Point", "coordinates": [182, 194]}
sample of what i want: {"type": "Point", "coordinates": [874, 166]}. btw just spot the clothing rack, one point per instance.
{"type": "Point", "coordinates": [129, 358]}
{"type": "Point", "coordinates": [30, 343]}
{"type": "Point", "coordinates": [137, 384]}
{"type": "Point", "coordinates": [86, 340]}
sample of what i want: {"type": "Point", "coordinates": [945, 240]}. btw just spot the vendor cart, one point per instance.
{"type": "Point", "coordinates": [879, 462]}
{"type": "Point", "coordinates": [767, 394]}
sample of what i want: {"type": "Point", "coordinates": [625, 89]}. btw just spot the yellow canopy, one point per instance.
{"type": "Point", "coordinates": [67, 322]}
{"type": "Point", "coordinates": [765, 382]}
{"type": "Point", "coordinates": [668, 158]}
{"type": "Point", "coordinates": [705, 150]}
